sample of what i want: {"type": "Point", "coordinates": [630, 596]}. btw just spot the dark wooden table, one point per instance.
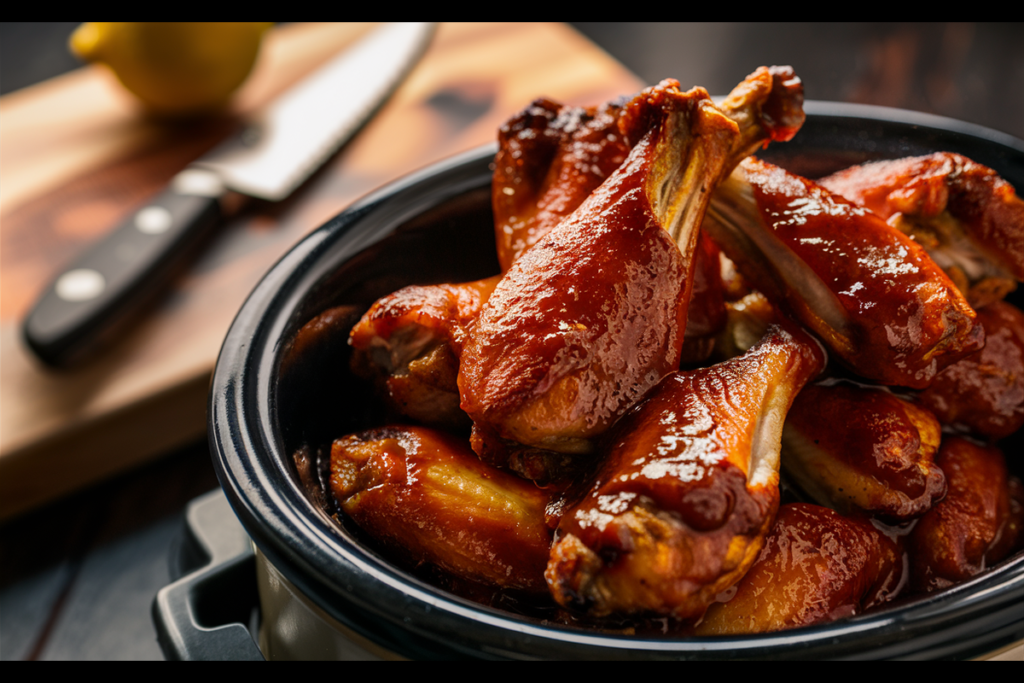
{"type": "Point", "coordinates": [78, 575]}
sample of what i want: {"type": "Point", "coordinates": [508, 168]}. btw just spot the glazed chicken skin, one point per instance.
{"type": "Point", "coordinates": [969, 219]}
{"type": "Point", "coordinates": [863, 450]}
{"type": "Point", "coordinates": [980, 522]}
{"type": "Point", "coordinates": [875, 298]}
{"type": "Point", "coordinates": [409, 342]}
{"type": "Point", "coordinates": [816, 566]}
{"type": "Point", "coordinates": [426, 497]}
{"type": "Point", "coordinates": [983, 394]}
{"type": "Point", "coordinates": [687, 487]}
{"type": "Point", "coordinates": [592, 316]}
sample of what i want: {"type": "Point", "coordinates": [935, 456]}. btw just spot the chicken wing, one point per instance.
{"type": "Point", "coordinates": [682, 500]}
{"type": "Point", "coordinates": [868, 291]}
{"type": "Point", "coordinates": [816, 566]}
{"type": "Point", "coordinates": [860, 449]}
{"type": "Point", "coordinates": [592, 316]}
{"type": "Point", "coordinates": [426, 497]}
{"type": "Point", "coordinates": [409, 342]}
{"type": "Point", "coordinates": [983, 394]}
{"type": "Point", "coordinates": [969, 219]}
{"type": "Point", "coordinates": [980, 521]}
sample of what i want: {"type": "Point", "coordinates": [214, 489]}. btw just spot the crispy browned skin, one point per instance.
{"type": "Point", "coordinates": [978, 523]}
{"type": "Point", "coordinates": [868, 291]}
{"type": "Point", "coordinates": [680, 505]}
{"type": "Point", "coordinates": [426, 497]}
{"type": "Point", "coordinates": [408, 344]}
{"type": "Point", "coordinates": [816, 566]}
{"type": "Point", "coordinates": [592, 316]}
{"type": "Point", "coordinates": [550, 158]}
{"type": "Point", "coordinates": [856, 449]}
{"type": "Point", "coordinates": [968, 218]}
{"type": "Point", "coordinates": [984, 393]}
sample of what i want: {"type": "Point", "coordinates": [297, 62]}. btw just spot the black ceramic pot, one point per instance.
{"type": "Point", "coordinates": [436, 226]}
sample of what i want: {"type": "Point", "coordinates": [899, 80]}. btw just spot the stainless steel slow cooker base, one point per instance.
{"type": "Point", "coordinates": [293, 627]}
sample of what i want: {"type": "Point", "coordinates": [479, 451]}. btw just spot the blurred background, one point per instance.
{"type": "Point", "coordinates": [968, 71]}
{"type": "Point", "coordinates": [107, 546]}
{"type": "Point", "coordinates": [973, 72]}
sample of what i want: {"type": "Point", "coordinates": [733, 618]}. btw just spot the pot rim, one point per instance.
{"type": "Point", "coordinates": [363, 591]}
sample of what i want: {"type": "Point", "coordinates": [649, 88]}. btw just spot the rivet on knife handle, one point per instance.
{"type": "Point", "coordinates": [110, 283]}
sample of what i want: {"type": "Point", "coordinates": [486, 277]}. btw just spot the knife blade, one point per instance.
{"type": "Point", "coordinates": [92, 299]}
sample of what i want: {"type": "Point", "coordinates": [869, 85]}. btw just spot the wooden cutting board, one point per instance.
{"type": "Point", "coordinates": [76, 156]}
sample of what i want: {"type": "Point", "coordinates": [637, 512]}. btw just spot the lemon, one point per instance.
{"type": "Point", "coordinates": [174, 68]}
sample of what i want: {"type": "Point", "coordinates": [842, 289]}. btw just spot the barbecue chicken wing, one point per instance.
{"type": "Point", "coordinates": [816, 566]}
{"type": "Point", "coordinates": [592, 316]}
{"type": "Point", "coordinates": [983, 394]}
{"type": "Point", "coordinates": [979, 523]}
{"type": "Point", "coordinates": [869, 292]}
{"type": "Point", "coordinates": [857, 449]}
{"type": "Point", "coordinates": [426, 497]}
{"type": "Point", "coordinates": [969, 219]}
{"type": "Point", "coordinates": [687, 490]}
{"type": "Point", "coordinates": [409, 342]}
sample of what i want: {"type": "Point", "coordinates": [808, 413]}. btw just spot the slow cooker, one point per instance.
{"type": "Point", "coordinates": [324, 592]}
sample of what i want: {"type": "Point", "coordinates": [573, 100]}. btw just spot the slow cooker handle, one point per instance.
{"type": "Point", "coordinates": [202, 616]}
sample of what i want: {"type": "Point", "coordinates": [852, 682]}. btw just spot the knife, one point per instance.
{"type": "Point", "coordinates": [92, 299]}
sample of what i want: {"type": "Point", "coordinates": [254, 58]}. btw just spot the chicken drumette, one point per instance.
{"type": "Point", "coordinates": [592, 316]}
{"type": "Point", "coordinates": [686, 489]}
{"type": "Point", "coordinates": [426, 497]}
{"type": "Point", "coordinates": [863, 450]}
{"type": "Point", "coordinates": [816, 566]}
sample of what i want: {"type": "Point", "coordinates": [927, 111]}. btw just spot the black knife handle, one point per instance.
{"type": "Point", "coordinates": [91, 299]}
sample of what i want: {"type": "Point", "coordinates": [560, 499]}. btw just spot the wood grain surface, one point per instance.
{"type": "Point", "coordinates": [78, 155]}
